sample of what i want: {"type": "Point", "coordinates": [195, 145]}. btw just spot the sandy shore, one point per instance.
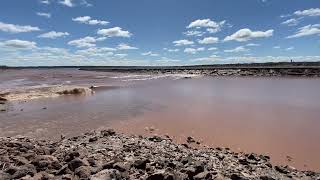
{"type": "Point", "coordinates": [109, 155]}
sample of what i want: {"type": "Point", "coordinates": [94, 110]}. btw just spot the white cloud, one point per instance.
{"type": "Point", "coordinates": [211, 25]}
{"type": "Point", "coordinates": [237, 49]}
{"type": "Point", "coordinates": [68, 3]}
{"type": "Point", "coordinates": [114, 32]}
{"type": "Point", "coordinates": [308, 12]}
{"type": "Point", "coordinates": [182, 42]}
{"type": "Point", "coordinates": [194, 33]}
{"type": "Point", "coordinates": [85, 3]}
{"type": "Point", "coordinates": [85, 42]}
{"type": "Point", "coordinates": [276, 47]}
{"type": "Point", "coordinates": [209, 40]}
{"type": "Point", "coordinates": [252, 44]}
{"type": "Point", "coordinates": [246, 35]}
{"type": "Point", "coordinates": [47, 15]}
{"type": "Point", "coordinates": [290, 48]}
{"type": "Point", "coordinates": [121, 55]}
{"type": "Point", "coordinates": [171, 50]}
{"type": "Point", "coordinates": [19, 44]}
{"type": "Point", "coordinates": [209, 59]}
{"type": "Point", "coordinates": [12, 28]}
{"type": "Point", "coordinates": [149, 53]}
{"type": "Point", "coordinates": [53, 35]}
{"type": "Point", "coordinates": [94, 51]}
{"type": "Point", "coordinates": [307, 31]}
{"type": "Point", "coordinates": [212, 49]}
{"type": "Point", "coordinates": [89, 20]}
{"type": "Point", "coordinates": [291, 22]}
{"type": "Point", "coordinates": [193, 50]}
{"type": "Point", "coordinates": [44, 1]}
{"type": "Point", "coordinates": [123, 46]}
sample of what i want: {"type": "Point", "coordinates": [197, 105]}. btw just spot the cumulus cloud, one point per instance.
{"type": "Point", "coordinates": [114, 32]}
{"type": "Point", "coordinates": [68, 3]}
{"type": "Point", "coordinates": [212, 49]}
{"type": "Point", "coordinates": [246, 35]}
{"type": "Point", "coordinates": [307, 31]}
{"type": "Point", "coordinates": [291, 22]}
{"type": "Point", "coordinates": [237, 50]}
{"type": "Point", "coordinates": [19, 44]}
{"type": "Point", "coordinates": [193, 50]}
{"type": "Point", "coordinates": [44, 1]}
{"type": "Point", "coordinates": [194, 33]}
{"type": "Point", "coordinates": [252, 44]}
{"type": "Point", "coordinates": [95, 51]}
{"type": "Point", "coordinates": [182, 42]}
{"type": "Point", "coordinates": [12, 28]}
{"type": "Point", "coordinates": [89, 20]}
{"type": "Point", "coordinates": [53, 35]}
{"type": "Point", "coordinates": [211, 25]}
{"type": "Point", "coordinates": [308, 12]}
{"type": "Point", "coordinates": [290, 48]}
{"type": "Point", "coordinates": [209, 40]}
{"type": "Point", "coordinates": [171, 50]}
{"type": "Point", "coordinates": [85, 42]}
{"type": "Point", "coordinates": [121, 55]}
{"type": "Point", "coordinates": [46, 15]}
{"type": "Point", "coordinates": [149, 53]}
{"type": "Point", "coordinates": [123, 46]}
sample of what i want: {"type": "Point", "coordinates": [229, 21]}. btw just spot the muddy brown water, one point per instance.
{"type": "Point", "coordinates": [279, 117]}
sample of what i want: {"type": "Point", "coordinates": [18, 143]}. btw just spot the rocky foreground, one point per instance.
{"type": "Point", "coordinates": [108, 155]}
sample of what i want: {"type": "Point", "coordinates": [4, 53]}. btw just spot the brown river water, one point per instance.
{"type": "Point", "coordinates": [279, 117]}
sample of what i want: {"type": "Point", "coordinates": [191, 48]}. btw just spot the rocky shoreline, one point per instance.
{"type": "Point", "coordinates": [110, 155]}
{"type": "Point", "coordinates": [234, 71]}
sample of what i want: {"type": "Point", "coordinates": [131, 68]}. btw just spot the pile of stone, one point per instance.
{"type": "Point", "coordinates": [109, 155]}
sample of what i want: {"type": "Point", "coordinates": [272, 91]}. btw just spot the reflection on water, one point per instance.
{"type": "Point", "coordinates": [279, 117]}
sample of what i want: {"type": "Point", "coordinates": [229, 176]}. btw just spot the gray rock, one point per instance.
{"type": "Point", "coordinates": [83, 172]}
{"type": "Point", "coordinates": [75, 163]}
{"type": "Point", "coordinates": [108, 174]}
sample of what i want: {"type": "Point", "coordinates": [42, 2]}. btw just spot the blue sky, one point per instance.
{"type": "Point", "coordinates": [166, 32]}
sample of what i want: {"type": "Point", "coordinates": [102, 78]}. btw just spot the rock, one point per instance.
{"type": "Point", "coordinates": [140, 163]}
{"type": "Point", "coordinates": [42, 162]}
{"type": "Point", "coordinates": [108, 132]}
{"type": "Point", "coordinates": [73, 91]}
{"type": "Point", "coordinates": [5, 176]}
{"type": "Point", "coordinates": [107, 174]}
{"type": "Point", "coordinates": [92, 139]}
{"type": "Point", "coordinates": [63, 170]}
{"type": "Point", "coordinates": [237, 177]}
{"type": "Point", "coordinates": [70, 156]}
{"type": "Point", "coordinates": [155, 139]}
{"type": "Point", "coordinates": [281, 169]}
{"type": "Point", "coordinates": [203, 175]}
{"type": "Point", "coordinates": [253, 157]}
{"type": "Point", "coordinates": [24, 171]}
{"type": "Point", "coordinates": [3, 99]}
{"type": "Point", "coordinates": [190, 171]}
{"type": "Point", "coordinates": [19, 160]}
{"type": "Point", "coordinates": [75, 163]}
{"type": "Point", "coordinates": [122, 167]}
{"type": "Point", "coordinates": [43, 175]}
{"type": "Point", "coordinates": [83, 172]}
{"type": "Point", "coordinates": [190, 140]}
{"type": "Point", "coordinates": [266, 178]}
{"type": "Point", "coordinates": [156, 176]}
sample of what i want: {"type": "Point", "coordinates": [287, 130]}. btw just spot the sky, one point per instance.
{"type": "Point", "coordinates": [157, 32]}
